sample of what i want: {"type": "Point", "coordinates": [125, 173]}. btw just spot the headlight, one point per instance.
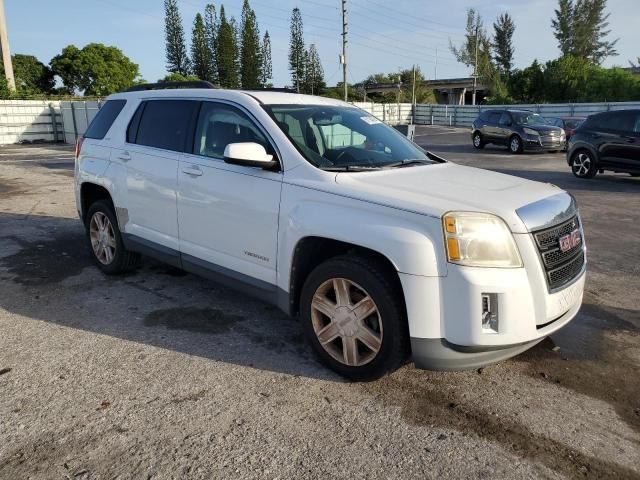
{"type": "Point", "coordinates": [479, 240]}
{"type": "Point", "coordinates": [530, 131]}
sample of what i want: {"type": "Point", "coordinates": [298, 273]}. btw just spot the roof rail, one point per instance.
{"type": "Point", "coordinates": [166, 85]}
{"type": "Point", "coordinates": [270, 89]}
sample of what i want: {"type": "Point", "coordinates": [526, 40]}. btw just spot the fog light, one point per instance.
{"type": "Point", "coordinates": [489, 313]}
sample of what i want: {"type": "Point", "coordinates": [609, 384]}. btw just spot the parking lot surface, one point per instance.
{"type": "Point", "coordinates": [160, 374]}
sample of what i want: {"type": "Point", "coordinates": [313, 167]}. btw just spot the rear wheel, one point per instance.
{"type": "Point", "coordinates": [477, 140]}
{"type": "Point", "coordinates": [583, 164]}
{"type": "Point", "coordinates": [105, 240]}
{"type": "Point", "coordinates": [515, 144]}
{"type": "Point", "coordinates": [353, 318]}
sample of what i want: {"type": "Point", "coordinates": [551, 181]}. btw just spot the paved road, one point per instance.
{"type": "Point", "coordinates": [159, 374]}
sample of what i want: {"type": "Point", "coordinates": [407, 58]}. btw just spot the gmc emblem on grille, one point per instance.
{"type": "Point", "coordinates": [569, 241]}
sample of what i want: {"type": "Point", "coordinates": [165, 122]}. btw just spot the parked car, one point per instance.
{"type": "Point", "coordinates": [568, 124]}
{"type": "Point", "coordinates": [606, 141]}
{"type": "Point", "coordinates": [380, 248]}
{"type": "Point", "coordinates": [519, 130]}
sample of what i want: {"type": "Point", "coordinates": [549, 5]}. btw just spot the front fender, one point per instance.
{"type": "Point", "coordinates": [411, 242]}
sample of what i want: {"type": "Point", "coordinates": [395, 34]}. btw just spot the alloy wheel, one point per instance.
{"type": "Point", "coordinates": [515, 145]}
{"type": "Point", "coordinates": [476, 140]}
{"type": "Point", "coordinates": [581, 164]}
{"type": "Point", "coordinates": [103, 238]}
{"type": "Point", "coordinates": [347, 322]}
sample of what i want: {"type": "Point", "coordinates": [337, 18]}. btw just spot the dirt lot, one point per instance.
{"type": "Point", "coordinates": [159, 374]}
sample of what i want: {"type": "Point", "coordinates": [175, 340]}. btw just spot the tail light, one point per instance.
{"type": "Point", "coordinates": [79, 146]}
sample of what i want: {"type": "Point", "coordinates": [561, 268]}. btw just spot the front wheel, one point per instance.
{"type": "Point", "coordinates": [583, 164]}
{"type": "Point", "coordinates": [515, 144]}
{"type": "Point", "coordinates": [354, 319]}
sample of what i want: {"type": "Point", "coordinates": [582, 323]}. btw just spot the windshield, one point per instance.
{"type": "Point", "coordinates": [344, 137]}
{"type": "Point", "coordinates": [526, 118]}
{"type": "Point", "coordinates": [573, 123]}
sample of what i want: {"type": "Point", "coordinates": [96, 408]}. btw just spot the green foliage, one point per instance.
{"type": "Point", "coordinates": [201, 55]}
{"type": "Point", "coordinates": [405, 78]}
{"type": "Point", "coordinates": [267, 67]}
{"type": "Point", "coordinates": [250, 49]}
{"type": "Point", "coordinates": [503, 49]}
{"type": "Point", "coordinates": [178, 77]}
{"type": "Point", "coordinates": [466, 53]}
{"type": "Point", "coordinates": [211, 33]}
{"type": "Point", "coordinates": [177, 58]}
{"type": "Point", "coordinates": [32, 76]}
{"type": "Point", "coordinates": [314, 74]}
{"type": "Point", "coordinates": [527, 85]}
{"type": "Point", "coordinates": [337, 92]}
{"type": "Point", "coordinates": [95, 69]}
{"type": "Point", "coordinates": [297, 52]}
{"type": "Point", "coordinates": [573, 79]}
{"type": "Point", "coordinates": [227, 52]}
{"type": "Point", "coordinates": [581, 30]}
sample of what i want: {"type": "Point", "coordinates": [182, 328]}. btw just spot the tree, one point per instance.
{"type": "Point", "coordinates": [562, 26]}
{"type": "Point", "coordinates": [267, 68]}
{"type": "Point", "coordinates": [581, 30]}
{"type": "Point", "coordinates": [466, 53]}
{"type": "Point", "coordinates": [314, 74]}
{"type": "Point", "coordinates": [250, 51]}
{"type": "Point", "coordinates": [177, 77]}
{"type": "Point", "coordinates": [31, 75]}
{"type": "Point", "coordinates": [227, 52]}
{"type": "Point", "coordinates": [527, 85]}
{"type": "Point", "coordinates": [211, 34]}
{"type": "Point", "coordinates": [200, 51]}
{"type": "Point", "coordinates": [503, 49]}
{"type": "Point", "coordinates": [95, 69]}
{"type": "Point", "coordinates": [297, 50]}
{"type": "Point", "coordinates": [177, 58]}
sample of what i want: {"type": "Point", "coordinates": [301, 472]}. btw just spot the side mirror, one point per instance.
{"type": "Point", "coordinates": [248, 154]}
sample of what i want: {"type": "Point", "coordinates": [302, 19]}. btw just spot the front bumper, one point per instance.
{"type": "Point", "coordinates": [445, 313]}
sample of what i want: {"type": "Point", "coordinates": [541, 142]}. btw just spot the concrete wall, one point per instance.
{"type": "Point", "coordinates": [30, 121]}
{"type": "Point", "coordinates": [76, 117]}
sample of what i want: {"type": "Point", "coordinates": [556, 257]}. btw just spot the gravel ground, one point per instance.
{"type": "Point", "coordinates": [159, 374]}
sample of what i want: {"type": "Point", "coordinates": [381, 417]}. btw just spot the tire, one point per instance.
{"type": "Point", "coordinates": [583, 164]}
{"type": "Point", "coordinates": [477, 141]}
{"type": "Point", "coordinates": [515, 144]}
{"type": "Point", "coordinates": [337, 287]}
{"type": "Point", "coordinates": [107, 248]}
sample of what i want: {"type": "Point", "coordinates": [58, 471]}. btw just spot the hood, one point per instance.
{"type": "Point", "coordinates": [544, 128]}
{"type": "Point", "coordinates": [436, 189]}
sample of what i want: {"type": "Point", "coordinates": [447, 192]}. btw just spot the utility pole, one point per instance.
{"type": "Point", "coordinates": [343, 58]}
{"type": "Point", "coordinates": [413, 97]}
{"type": "Point", "coordinates": [475, 71]}
{"type": "Point", "coordinates": [6, 54]}
{"type": "Point", "coordinates": [435, 76]}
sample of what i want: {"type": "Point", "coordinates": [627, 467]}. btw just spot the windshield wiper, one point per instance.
{"type": "Point", "coordinates": [407, 163]}
{"type": "Point", "coordinates": [351, 168]}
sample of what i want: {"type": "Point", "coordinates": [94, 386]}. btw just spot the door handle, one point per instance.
{"type": "Point", "coordinates": [125, 156]}
{"type": "Point", "coordinates": [194, 171]}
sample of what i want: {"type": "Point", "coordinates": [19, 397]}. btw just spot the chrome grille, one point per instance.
{"type": "Point", "coordinates": [560, 267]}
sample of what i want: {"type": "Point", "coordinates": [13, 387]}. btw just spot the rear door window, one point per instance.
{"type": "Point", "coordinates": [505, 119]}
{"type": "Point", "coordinates": [164, 124]}
{"type": "Point", "coordinates": [103, 120]}
{"type": "Point", "coordinates": [494, 118]}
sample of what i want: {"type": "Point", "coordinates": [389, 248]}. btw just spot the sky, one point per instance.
{"type": "Point", "coordinates": [384, 36]}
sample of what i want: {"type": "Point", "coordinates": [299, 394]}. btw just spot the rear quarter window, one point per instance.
{"type": "Point", "coordinates": [103, 120]}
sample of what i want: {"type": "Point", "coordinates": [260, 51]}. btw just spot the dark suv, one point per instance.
{"type": "Point", "coordinates": [517, 129]}
{"type": "Point", "coordinates": [606, 141]}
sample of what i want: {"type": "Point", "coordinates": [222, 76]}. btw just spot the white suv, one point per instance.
{"type": "Point", "coordinates": [382, 249]}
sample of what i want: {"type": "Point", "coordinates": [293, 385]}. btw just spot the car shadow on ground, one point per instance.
{"type": "Point", "coordinates": [46, 273]}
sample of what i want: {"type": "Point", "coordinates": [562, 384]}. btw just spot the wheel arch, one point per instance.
{"type": "Point", "coordinates": [312, 251]}
{"type": "Point", "coordinates": [90, 193]}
